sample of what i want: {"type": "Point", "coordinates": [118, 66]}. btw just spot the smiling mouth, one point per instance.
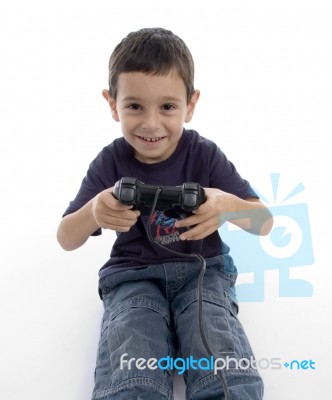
{"type": "Point", "coordinates": [148, 139]}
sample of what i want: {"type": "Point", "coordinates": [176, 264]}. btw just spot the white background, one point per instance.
{"type": "Point", "coordinates": [264, 71]}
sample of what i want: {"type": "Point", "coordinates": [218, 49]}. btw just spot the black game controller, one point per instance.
{"type": "Point", "coordinates": [182, 199]}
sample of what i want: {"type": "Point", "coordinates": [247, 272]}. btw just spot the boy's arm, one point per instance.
{"type": "Point", "coordinates": [103, 211]}
{"type": "Point", "coordinates": [250, 215]}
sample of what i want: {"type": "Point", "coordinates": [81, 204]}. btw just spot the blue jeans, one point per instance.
{"type": "Point", "coordinates": [152, 313]}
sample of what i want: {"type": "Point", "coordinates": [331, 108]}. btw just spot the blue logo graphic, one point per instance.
{"type": "Point", "coordinates": [288, 245]}
{"type": "Point", "coordinates": [300, 364]}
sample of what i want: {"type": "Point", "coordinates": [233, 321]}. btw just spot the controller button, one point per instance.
{"type": "Point", "coordinates": [129, 181]}
{"type": "Point", "coordinates": [127, 194]}
{"type": "Point", "coordinates": [190, 200]}
{"type": "Point", "coordinates": [190, 186]}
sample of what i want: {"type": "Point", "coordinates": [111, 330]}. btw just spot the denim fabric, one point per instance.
{"type": "Point", "coordinates": [152, 312]}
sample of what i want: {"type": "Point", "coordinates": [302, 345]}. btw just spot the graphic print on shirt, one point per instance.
{"type": "Point", "coordinates": [163, 229]}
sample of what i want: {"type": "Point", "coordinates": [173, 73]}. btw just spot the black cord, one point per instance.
{"type": "Point", "coordinates": [200, 288]}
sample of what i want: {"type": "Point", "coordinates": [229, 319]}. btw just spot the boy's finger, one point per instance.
{"type": "Point", "coordinates": [191, 234]}
{"type": "Point", "coordinates": [202, 209]}
{"type": "Point", "coordinates": [189, 221]}
{"type": "Point", "coordinates": [123, 214]}
{"type": "Point", "coordinates": [199, 231]}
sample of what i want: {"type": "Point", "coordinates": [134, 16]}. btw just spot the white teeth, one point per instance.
{"type": "Point", "coordinates": [151, 139]}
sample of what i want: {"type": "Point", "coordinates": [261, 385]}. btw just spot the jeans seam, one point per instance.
{"type": "Point", "coordinates": [128, 383]}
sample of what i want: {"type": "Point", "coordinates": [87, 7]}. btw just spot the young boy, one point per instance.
{"type": "Point", "coordinates": [150, 294]}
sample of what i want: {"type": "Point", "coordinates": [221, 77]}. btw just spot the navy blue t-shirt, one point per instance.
{"type": "Point", "coordinates": [195, 159]}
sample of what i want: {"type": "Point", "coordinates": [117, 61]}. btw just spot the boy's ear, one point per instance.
{"type": "Point", "coordinates": [112, 104]}
{"type": "Point", "coordinates": [191, 105]}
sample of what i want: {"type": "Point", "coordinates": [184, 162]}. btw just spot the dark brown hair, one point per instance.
{"type": "Point", "coordinates": [154, 51]}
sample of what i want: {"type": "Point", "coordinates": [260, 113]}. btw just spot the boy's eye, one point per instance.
{"type": "Point", "coordinates": [134, 107]}
{"type": "Point", "coordinates": [168, 107]}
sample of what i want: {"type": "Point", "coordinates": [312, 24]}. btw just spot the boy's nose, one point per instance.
{"type": "Point", "coordinates": [151, 121]}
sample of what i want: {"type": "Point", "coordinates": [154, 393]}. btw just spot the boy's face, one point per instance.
{"type": "Point", "coordinates": [152, 110]}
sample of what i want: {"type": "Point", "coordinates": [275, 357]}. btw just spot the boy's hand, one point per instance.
{"type": "Point", "coordinates": [207, 218]}
{"type": "Point", "coordinates": [250, 215]}
{"type": "Point", "coordinates": [109, 213]}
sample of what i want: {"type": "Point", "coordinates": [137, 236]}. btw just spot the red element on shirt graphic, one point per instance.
{"type": "Point", "coordinates": [163, 228]}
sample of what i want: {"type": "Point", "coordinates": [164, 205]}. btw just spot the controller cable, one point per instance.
{"type": "Point", "coordinates": [200, 288]}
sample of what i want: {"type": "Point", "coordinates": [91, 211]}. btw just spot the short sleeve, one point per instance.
{"type": "Point", "coordinates": [224, 176]}
{"type": "Point", "coordinates": [101, 175]}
